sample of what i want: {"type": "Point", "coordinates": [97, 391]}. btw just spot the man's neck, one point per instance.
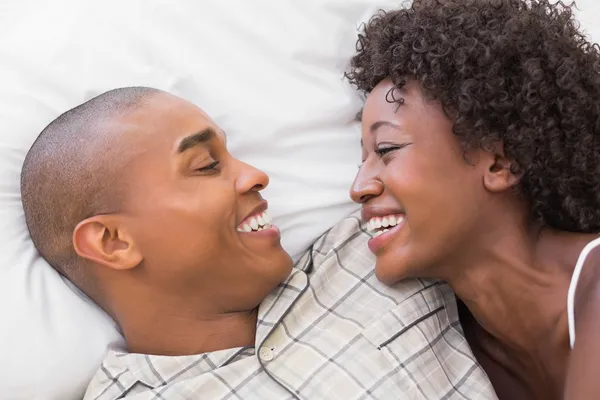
{"type": "Point", "coordinates": [176, 334]}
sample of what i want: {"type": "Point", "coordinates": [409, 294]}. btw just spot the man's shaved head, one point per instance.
{"type": "Point", "coordinates": [71, 173]}
{"type": "Point", "coordinates": [134, 197]}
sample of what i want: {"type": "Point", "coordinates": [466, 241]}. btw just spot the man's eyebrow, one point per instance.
{"type": "Point", "coordinates": [196, 139]}
{"type": "Point", "coordinates": [376, 125]}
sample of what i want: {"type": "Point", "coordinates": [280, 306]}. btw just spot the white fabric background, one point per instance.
{"type": "Point", "coordinates": [269, 72]}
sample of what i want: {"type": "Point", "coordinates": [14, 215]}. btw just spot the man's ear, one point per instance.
{"type": "Point", "coordinates": [103, 240]}
{"type": "Point", "coordinates": [498, 175]}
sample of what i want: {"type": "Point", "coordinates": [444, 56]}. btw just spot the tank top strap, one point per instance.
{"type": "Point", "coordinates": [573, 287]}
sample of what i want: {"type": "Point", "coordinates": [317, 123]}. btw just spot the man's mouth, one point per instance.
{"type": "Point", "coordinates": [381, 224]}
{"type": "Point", "coordinates": [255, 222]}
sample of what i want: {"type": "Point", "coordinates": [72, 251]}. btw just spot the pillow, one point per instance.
{"type": "Point", "coordinates": [587, 13]}
{"type": "Point", "coordinates": [269, 72]}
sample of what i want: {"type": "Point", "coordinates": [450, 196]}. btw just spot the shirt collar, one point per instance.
{"type": "Point", "coordinates": [278, 303]}
{"type": "Point", "coordinates": [155, 371]}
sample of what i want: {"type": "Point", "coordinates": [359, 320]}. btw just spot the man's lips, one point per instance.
{"type": "Point", "coordinates": [258, 209]}
{"type": "Point", "coordinates": [256, 220]}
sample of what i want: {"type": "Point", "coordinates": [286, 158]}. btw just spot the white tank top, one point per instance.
{"type": "Point", "coordinates": [573, 287]}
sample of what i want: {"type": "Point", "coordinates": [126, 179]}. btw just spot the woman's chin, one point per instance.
{"type": "Point", "coordinates": [396, 265]}
{"type": "Point", "coordinates": [388, 273]}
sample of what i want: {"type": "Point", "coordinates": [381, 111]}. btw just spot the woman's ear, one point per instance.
{"type": "Point", "coordinates": [498, 174]}
{"type": "Point", "coordinates": [104, 240]}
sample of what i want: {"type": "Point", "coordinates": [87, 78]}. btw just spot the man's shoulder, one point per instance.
{"type": "Point", "coordinates": [112, 379]}
{"type": "Point", "coordinates": [407, 332]}
{"type": "Point", "coordinates": [341, 266]}
{"type": "Point", "coordinates": [348, 237]}
{"type": "Point", "coordinates": [124, 375]}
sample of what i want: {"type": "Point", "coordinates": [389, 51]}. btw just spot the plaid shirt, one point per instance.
{"type": "Point", "coordinates": [331, 331]}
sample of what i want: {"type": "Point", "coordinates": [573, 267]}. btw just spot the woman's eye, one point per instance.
{"type": "Point", "coordinates": [384, 150]}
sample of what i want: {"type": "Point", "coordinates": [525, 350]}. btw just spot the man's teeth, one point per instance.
{"type": "Point", "coordinates": [255, 223]}
{"type": "Point", "coordinates": [379, 225]}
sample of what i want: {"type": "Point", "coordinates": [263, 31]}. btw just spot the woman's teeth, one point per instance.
{"type": "Point", "coordinates": [255, 223]}
{"type": "Point", "coordinates": [379, 225]}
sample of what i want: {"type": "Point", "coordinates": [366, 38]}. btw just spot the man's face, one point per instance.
{"type": "Point", "coordinates": [195, 213]}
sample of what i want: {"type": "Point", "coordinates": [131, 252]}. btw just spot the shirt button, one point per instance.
{"type": "Point", "coordinates": [265, 354]}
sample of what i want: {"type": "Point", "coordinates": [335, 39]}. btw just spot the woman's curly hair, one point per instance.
{"type": "Point", "coordinates": [515, 72]}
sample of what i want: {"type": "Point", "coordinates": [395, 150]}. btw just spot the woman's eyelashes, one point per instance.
{"type": "Point", "coordinates": [386, 149]}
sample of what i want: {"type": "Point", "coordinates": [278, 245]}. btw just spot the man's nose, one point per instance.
{"type": "Point", "coordinates": [251, 179]}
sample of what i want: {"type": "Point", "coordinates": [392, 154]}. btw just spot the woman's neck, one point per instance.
{"type": "Point", "coordinates": [516, 290]}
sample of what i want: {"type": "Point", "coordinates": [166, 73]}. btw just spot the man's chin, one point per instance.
{"type": "Point", "coordinates": [285, 263]}
{"type": "Point", "coordinates": [281, 264]}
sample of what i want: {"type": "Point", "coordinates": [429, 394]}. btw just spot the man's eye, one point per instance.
{"type": "Point", "coordinates": [209, 167]}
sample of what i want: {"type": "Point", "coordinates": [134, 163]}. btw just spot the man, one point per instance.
{"type": "Point", "coordinates": [134, 197]}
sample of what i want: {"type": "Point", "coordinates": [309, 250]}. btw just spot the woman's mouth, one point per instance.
{"type": "Point", "coordinates": [383, 229]}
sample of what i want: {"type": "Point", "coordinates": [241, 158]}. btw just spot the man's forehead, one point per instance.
{"type": "Point", "coordinates": [163, 106]}
{"type": "Point", "coordinates": [165, 118]}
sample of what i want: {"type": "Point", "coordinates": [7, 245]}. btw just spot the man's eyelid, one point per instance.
{"type": "Point", "coordinates": [201, 161]}
{"type": "Point", "coordinates": [208, 167]}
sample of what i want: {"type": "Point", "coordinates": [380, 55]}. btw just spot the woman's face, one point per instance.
{"type": "Point", "coordinates": [421, 198]}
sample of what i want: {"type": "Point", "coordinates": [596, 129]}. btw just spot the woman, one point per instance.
{"type": "Point", "coordinates": [481, 167]}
